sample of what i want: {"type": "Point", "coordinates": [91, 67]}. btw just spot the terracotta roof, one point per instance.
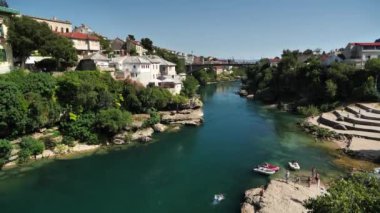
{"type": "Point", "coordinates": [377, 44]}
{"type": "Point", "coordinates": [80, 36]}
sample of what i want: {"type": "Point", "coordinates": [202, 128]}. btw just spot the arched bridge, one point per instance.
{"type": "Point", "coordinates": [190, 68]}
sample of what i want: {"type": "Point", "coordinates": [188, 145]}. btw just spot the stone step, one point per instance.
{"type": "Point", "coordinates": [363, 114]}
{"type": "Point", "coordinates": [342, 125]}
{"type": "Point", "coordinates": [367, 108]}
{"type": "Point", "coordinates": [351, 118]}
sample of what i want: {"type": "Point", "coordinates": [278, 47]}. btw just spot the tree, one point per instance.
{"type": "Point", "coordinates": [358, 193]}
{"type": "Point", "coordinates": [131, 37]}
{"type": "Point", "coordinates": [113, 120]}
{"type": "Point", "coordinates": [3, 3]}
{"type": "Point", "coordinates": [190, 86]}
{"type": "Point", "coordinates": [61, 49]}
{"type": "Point", "coordinates": [373, 65]}
{"type": "Point", "coordinates": [104, 43]}
{"type": "Point", "coordinates": [27, 35]}
{"type": "Point", "coordinates": [5, 151]}
{"type": "Point", "coordinates": [147, 44]}
{"type": "Point", "coordinates": [13, 110]}
{"type": "Point", "coordinates": [331, 89]}
{"type": "Point", "coordinates": [30, 146]}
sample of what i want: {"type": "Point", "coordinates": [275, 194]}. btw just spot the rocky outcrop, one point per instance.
{"type": "Point", "coordinates": [247, 208]}
{"type": "Point", "coordinates": [143, 135]}
{"type": "Point", "coordinates": [243, 92]}
{"type": "Point", "coordinates": [159, 127]}
{"type": "Point", "coordinates": [184, 117]}
{"type": "Point", "coordinates": [279, 196]}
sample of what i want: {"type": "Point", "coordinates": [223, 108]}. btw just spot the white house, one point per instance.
{"type": "Point", "coordinates": [149, 71]}
{"type": "Point", "coordinates": [360, 53]}
{"type": "Point", "coordinates": [6, 54]}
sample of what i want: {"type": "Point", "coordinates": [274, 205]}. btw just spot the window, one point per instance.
{"type": "Point", "coordinates": [56, 29]}
{"type": "Point", "coordinates": [67, 30]}
{"type": "Point", "coordinates": [62, 30]}
{"type": "Point", "coordinates": [134, 66]}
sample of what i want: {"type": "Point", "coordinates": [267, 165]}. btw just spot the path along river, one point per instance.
{"type": "Point", "coordinates": [180, 172]}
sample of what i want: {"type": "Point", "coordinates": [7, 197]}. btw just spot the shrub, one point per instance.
{"type": "Point", "coordinates": [69, 141]}
{"type": "Point", "coordinates": [30, 146]}
{"type": "Point", "coordinates": [5, 151]}
{"type": "Point", "coordinates": [154, 118]}
{"type": "Point", "coordinates": [113, 121]}
{"type": "Point", "coordinates": [309, 110]}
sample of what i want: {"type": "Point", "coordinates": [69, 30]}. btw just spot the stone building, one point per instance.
{"type": "Point", "coordinates": [55, 24]}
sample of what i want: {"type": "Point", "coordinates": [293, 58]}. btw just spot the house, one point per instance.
{"type": "Point", "coordinates": [118, 47]}
{"type": "Point", "coordinates": [83, 29]}
{"type": "Point", "coordinates": [132, 45]}
{"type": "Point", "coordinates": [149, 71]}
{"type": "Point", "coordinates": [55, 24]}
{"type": "Point", "coordinates": [274, 61]}
{"type": "Point", "coordinates": [100, 60]}
{"type": "Point", "coordinates": [359, 53]}
{"type": "Point", "coordinates": [85, 44]}
{"type": "Point", "coordinates": [329, 59]}
{"type": "Point", "coordinates": [6, 55]}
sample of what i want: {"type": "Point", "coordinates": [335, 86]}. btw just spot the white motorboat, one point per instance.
{"type": "Point", "coordinates": [376, 171]}
{"type": "Point", "coordinates": [263, 170]}
{"type": "Point", "coordinates": [218, 197]}
{"type": "Point", "coordinates": [294, 165]}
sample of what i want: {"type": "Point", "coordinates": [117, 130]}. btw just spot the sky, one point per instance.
{"type": "Point", "coordinates": [239, 29]}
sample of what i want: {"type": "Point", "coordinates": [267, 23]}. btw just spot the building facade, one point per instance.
{"type": "Point", "coordinates": [149, 71]}
{"type": "Point", "coordinates": [85, 44]}
{"type": "Point", "coordinates": [359, 53]}
{"type": "Point", "coordinates": [55, 24]}
{"type": "Point", "coordinates": [132, 45]}
{"type": "Point", "coordinates": [6, 55]}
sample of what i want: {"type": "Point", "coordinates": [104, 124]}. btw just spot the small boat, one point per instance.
{"type": "Point", "coordinates": [376, 171]}
{"type": "Point", "coordinates": [263, 170]}
{"type": "Point", "coordinates": [294, 165]}
{"type": "Point", "coordinates": [270, 166]}
{"type": "Point", "coordinates": [218, 197]}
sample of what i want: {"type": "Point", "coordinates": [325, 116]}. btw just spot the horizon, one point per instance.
{"type": "Point", "coordinates": [242, 30]}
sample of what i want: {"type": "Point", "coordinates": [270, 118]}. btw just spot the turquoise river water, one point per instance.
{"type": "Point", "coordinates": [179, 172]}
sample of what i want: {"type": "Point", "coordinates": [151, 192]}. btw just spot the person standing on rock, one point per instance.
{"type": "Point", "coordinates": [318, 179]}
{"type": "Point", "coordinates": [313, 172]}
{"type": "Point", "coordinates": [287, 175]}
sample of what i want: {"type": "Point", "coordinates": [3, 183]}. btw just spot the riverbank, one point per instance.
{"type": "Point", "coordinates": [136, 133]}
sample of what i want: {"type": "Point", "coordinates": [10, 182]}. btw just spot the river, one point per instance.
{"type": "Point", "coordinates": [179, 172]}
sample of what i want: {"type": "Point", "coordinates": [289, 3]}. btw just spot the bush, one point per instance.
{"type": "Point", "coordinates": [308, 111]}
{"type": "Point", "coordinates": [113, 121]}
{"type": "Point", "coordinates": [69, 141]}
{"type": "Point", "coordinates": [30, 146]}
{"type": "Point", "coordinates": [5, 151]}
{"type": "Point", "coordinates": [50, 142]}
{"type": "Point", "coordinates": [190, 86]}
{"type": "Point", "coordinates": [81, 129]}
{"type": "Point", "coordinates": [154, 118]}
{"type": "Point", "coordinates": [357, 193]}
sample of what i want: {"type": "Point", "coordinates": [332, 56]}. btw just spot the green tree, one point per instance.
{"type": "Point", "coordinates": [190, 86]}
{"type": "Point", "coordinates": [82, 128]}
{"type": "Point", "coordinates": [373, 66]}
{"type": "Point", "coordinates": [61, 49]}
{"type": "Point", "coordinates": [5, 151]}
{"type": "Point", "coordinates": [30, 146]}
{"type": "Point", "coordinates": [131, 37]}
{"type": "Point", "coordinates": [13, 110]}
{"type": "Point", "coordinates": [27, 35]}
{"type": "Point", "coordinates": [358, 193]}
{"type": "Point", "coordinates": [331, 89]}
{"type": "Point", "coordinates": [147, 44]}
{"type": "Point", "coordinates": [113, 121]}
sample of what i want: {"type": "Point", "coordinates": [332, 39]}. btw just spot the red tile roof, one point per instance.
{"type": "Point", "coordinates": [80, 36]}
{"type": "Point", "coordinates": [377, 44]}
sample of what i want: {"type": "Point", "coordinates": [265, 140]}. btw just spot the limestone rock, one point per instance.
{"type": "Point", "coordinates": [160, 127]}
{"type": "Point", "coordinates": [251, 96]}
{"type": "Point", "coordinates": [243, 92]}
{"type": "Point", "coordinates": [145, 139]}
{"type": "Point", "coordinates": [184, 117]}
{"type": "Point", "coordinates": [247, 208]}
{"type": "Point", "coordinates": [148, 132]}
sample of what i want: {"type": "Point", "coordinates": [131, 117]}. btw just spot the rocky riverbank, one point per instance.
{"type": "Point", "coordinates": [137, 132]}
{"type": "Point", "coordinates": [278, 197]}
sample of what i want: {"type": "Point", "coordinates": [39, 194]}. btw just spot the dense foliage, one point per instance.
{"type": "Point", "coordinates": [190, 86]}
{"type": "Point", "coordinates": [205, 75]}
{"type": "Point", "coordinates": [357, 193]}
{"type": "Point", "coordinates": [86, 105]}
{"type": "Point", "coordinates": [169, 56]}
{"type": "Point", "coordinates": [304, 80]}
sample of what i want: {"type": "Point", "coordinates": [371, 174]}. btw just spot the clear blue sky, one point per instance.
{"type": "Point", "coordinates": [248, 29]}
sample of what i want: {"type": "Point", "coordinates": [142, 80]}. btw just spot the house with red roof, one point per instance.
{"type": "Point", "coordinates": [359, 53]}
{"type": "Point", "coordinates": [85, 44]}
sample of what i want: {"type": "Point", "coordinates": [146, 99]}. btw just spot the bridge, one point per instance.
{"type": "Point", "coordinates": [190, 68]}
